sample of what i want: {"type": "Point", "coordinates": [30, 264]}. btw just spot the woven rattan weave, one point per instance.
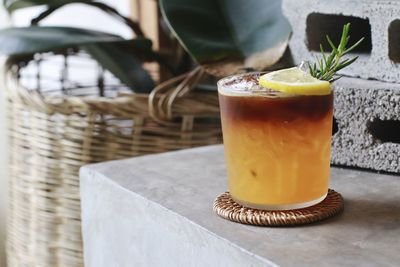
{"type": "Point", "coordinates": [227, 208]}
{"type": "Point", "coordinates": [53, 135]}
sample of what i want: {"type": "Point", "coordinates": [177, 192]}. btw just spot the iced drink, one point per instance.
{"type": "Point", "coordinates": [277, 145]}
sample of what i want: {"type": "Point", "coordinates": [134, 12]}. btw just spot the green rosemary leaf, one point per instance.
{"type": "Point", "coordinates": [347, 41]}
{"type": "Point", "coordinates": [316, 70]}
{"type": "Point", "coordinates": [344, 37]}
{"type": "Point", "coordinates": [331, 44]}
{"type": "Point", "coordinates": [337, 78]}
{"type": "Point", "coordinates": [347, 63]}
{"type": "Point", "coordinates": [320, 65]}
{"type": "Point", "coordinates": [325, 68]}
{"type": "Point", "coordinates": [330, 58]}
{"type": "Point", "coordinates": [323, 53]}
{"type": "Point", "coordinates": [353, 46]}
{"type": "Point", "coordinates": [310, 70]}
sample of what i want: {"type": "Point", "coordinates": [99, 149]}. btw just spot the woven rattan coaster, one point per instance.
{"type": "Point", "coordinates": [227, 208]}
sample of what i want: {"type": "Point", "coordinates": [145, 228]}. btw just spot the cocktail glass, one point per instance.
{"type": "Point", "coordinates": [277, 145]}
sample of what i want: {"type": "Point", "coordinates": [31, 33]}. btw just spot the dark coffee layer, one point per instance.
{"type": "Point", "coordinates": [285, 109]}
{"type": "Point", "coordinates": [241, 98]}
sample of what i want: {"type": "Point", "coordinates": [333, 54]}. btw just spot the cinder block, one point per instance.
{"type": "Point", "coordinates": [377, 20]}
{"type": "Point", "coordinates": [367, 114]}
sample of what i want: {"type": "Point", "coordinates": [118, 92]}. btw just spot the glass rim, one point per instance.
{"type": "Point", "coordinates": [262, 92]}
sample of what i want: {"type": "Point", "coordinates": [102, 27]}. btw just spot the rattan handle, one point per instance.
{"type": "Point", "coordinates": [163, 96]}
{"type": "Point", "coordinates": [106, 8]}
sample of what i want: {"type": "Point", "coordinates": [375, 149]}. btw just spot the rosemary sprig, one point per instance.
{"type": "Point", "coordinates": [326, 67]}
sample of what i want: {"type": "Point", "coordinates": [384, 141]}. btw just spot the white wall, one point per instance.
{"type": "Point", "coordinates": [3, 152]}
{"type": "Point", "coordinates": [76, 15]}
{"type": "Point", "coordinates": [79, 15]}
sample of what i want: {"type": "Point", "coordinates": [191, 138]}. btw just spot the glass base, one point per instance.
{"type": "Point", "coordinates": [281, 207]}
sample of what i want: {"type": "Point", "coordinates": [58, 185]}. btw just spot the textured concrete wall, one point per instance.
{"type": "Point", "coordinates": [377, 20]}
{"type": "Point", "coordinates": [368, 117]}
{"type": "Point", "coordinates": [366, 111]}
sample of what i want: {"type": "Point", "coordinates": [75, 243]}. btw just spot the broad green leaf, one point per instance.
{"type": "Point", "coordinates": [111, 51]}
{"type": "Point", "coordinates": [253, 32]}
{"type": "Point", "coordinates": [12, 5]}
{"type": "Point", "coordinates": [119, 58]}
{"type": "Point", "coordinates": [29, 40]}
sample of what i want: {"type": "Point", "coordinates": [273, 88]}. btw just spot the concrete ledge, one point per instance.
{"type": "Point", "coordinates": [377, 20]}
{"type": "Point", "coordinates": [368, 118]}
{"type": "Point", "coordinates": [157, 211]}
{"type": "Point", "coordinates": [126, 228]}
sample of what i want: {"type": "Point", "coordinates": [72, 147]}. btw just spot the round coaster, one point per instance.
{"type": "Point", "coordinates": [227, 208]}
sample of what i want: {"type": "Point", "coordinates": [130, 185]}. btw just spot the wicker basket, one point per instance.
{"type": "Point", "coordinates": [53, 135]}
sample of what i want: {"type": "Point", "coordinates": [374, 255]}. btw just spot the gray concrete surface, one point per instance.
{"type": "Point", "coordinates": [381, 13]}
{"type": "Point", "coordinates": [359, 105]}
{"type": "Point", "coordinates": [157, 211]}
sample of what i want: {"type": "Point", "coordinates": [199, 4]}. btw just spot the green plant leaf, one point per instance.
{"type": "Point", "coordinates": [112, 52]}
{"type": "Point", "coordinates": [12, 5]}
{"type": "Point", "coordinates": [119, 58]}
{"type": "Point", "coordinates": [252, 31]}
{"type": "Point", "coordinates": [29, 40]}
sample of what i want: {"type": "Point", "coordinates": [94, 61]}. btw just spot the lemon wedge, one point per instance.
{"type": "Point", "coordinates": [294, 81]}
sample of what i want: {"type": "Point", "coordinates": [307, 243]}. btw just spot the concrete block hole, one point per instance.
{"type": "Point", "coordinates": [335, 126]}
{"type": "Point", "coordinates": [386, 131]}
{"type": "Point", "coordinates": [394, 41]}
{"type": "Point", "coordinates": [318, 25]}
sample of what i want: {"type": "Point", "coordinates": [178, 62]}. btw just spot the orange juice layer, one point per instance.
{"type": "Point", "coordinates": [277, 149]}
